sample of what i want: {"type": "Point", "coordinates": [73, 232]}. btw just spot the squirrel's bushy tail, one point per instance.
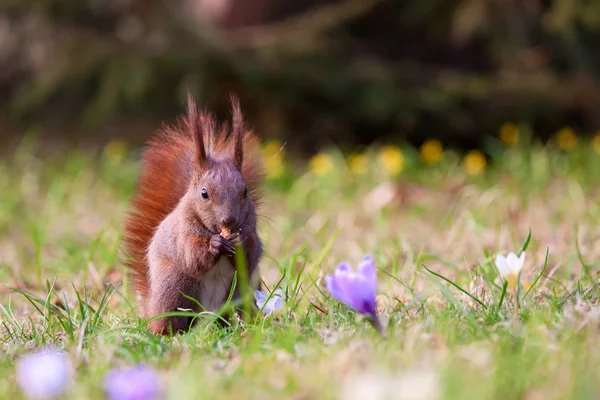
{"type": "Point", "coordinates": [167, 170]}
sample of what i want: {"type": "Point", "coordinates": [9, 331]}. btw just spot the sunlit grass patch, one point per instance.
{"type": "Point", "coordinates": [455, 324]}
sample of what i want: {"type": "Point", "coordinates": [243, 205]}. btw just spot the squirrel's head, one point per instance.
{"type": "Point", "coordinates": [218, 193]}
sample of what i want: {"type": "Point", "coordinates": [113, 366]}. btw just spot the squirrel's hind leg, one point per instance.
{"type": "Point", "coordinates": [166, 296]}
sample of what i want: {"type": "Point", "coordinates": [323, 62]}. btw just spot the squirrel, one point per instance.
{"type": "Point", "coordinates": [196, 199]}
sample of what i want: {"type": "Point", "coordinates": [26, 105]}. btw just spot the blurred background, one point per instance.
{"type": "Point", "coordinates": [310, 73]}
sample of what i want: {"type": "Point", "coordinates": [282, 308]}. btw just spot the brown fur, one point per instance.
{"type": "Point", "coordinates": [171, 236]}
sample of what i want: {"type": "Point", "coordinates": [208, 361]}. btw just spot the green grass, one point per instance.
{"type": "Point", "coordinates": [451, 333]}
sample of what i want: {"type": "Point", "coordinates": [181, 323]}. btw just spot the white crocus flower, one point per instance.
{"type": "Point", "coordinates": [275, 302]}
{"type": "Point", "coordinates": [510, 267]}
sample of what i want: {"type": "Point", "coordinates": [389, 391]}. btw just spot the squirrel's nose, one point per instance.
{"type": "Point", "coordinates": [229, 222]}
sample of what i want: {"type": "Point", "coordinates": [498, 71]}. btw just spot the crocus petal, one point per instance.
{"type": "Point", "coordinates": [278, 303]}
{"type": "Point", "coordinates": [501, 265]}
{"type": "Point", "coordinates": [355, 290]}
{"type": "Point", "coordinates": [137, 383]}
{"type": "Point", "coordinates": [260, 296]}
{"type": "Point", "coordinates": [347, 284]}
{"type": "Point", "coordinates": [513, 263]}
{"type": "Point", "coordinates": [522, 259]}
{"type": "Point", "coordinates": [43, 375]}
{"type": "Point", "coordinates": [362, 294]}
{"type": "Point", "coordinates": [339, 282]}
{"type": "Point", "coordinates": [268, 307]}
{"type": "Point", "coordinates": [367, 269]}
{"type": "Point", "coordinates": [275, 302]}
{"type": "Point", "coordinates": [343, 269]}
{"type": "Point", "coordinates": [349, 287]}
{"type": "Point", "coordinates": [366, 305]}
{"type": "Point", "coordinates": [336, 291]}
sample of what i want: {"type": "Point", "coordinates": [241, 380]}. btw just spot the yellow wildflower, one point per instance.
{"type": "Point", "coordinates": [566, 139]}
{"type": "Point", "coordinates": [474, 163]}
{"type": "Point", "coordinates": [321, 164]}
{"type": "Point", "coordinates": [509, 133]}
{"type": "Point", "coordinates": [596, 142]}
{"type": "Point", "coordinates": [115, 150]}
{"type": "Point", "coordinates": [274, 154]}
{"type": "Point", "coordinates": [358, 163]}
{"type": "Point", "coordinates": [392, 160]}
{"type": "Point", "coordinates": [274, 167]}
{"type": "Point", "coordinates": [274, 148]}
{"type": "Point", "coordinates": [431, 151]}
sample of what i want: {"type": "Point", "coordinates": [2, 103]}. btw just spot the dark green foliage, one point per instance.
{"type": "Point", "coordinates": [350, 71]}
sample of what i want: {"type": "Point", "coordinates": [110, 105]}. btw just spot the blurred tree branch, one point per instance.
{"type": "Point", "coordinates": [302, 32]}
{"type": "Point", "coordinates": [337, 69]}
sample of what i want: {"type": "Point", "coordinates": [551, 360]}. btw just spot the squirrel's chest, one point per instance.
{"type": "Point", "coordinates": [216, 285]}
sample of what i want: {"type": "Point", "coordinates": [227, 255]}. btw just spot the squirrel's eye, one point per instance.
{"type": "Point", "coordinates": [204, 193]}
{"type": "Point", "coordinates": [245, 192]}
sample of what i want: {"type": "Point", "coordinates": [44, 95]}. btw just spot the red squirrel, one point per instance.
{"type": "Point", "coordinates": [196, 198]}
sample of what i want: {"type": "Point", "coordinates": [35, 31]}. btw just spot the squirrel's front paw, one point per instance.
{"type": "Point", "coordinates": [238, 238]}
{"type": "Point", "coordinates": [221, 246]}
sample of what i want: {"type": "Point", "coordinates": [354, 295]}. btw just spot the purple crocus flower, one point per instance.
{"type": "Point", "coordinates": [136, 383]}
{"type": "Point", "coordinates": [275, 303]}
{"type": "Point", "coordinates": [44, 374]}
{"type": "Point", "coordinates": [356, 289]}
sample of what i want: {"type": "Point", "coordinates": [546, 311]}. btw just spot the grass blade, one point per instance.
{"type": "Point", "coordinates": [504, 287]}
{"type": "Point", "coordinates": [539, 275]}
{"type": "Point", "coordinates": [456, 286]}
{"type": "Point", "coordinates": [526, 243]}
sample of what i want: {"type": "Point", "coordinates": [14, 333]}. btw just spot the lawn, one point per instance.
{"type": "Point", "coordinates": [453, 329]}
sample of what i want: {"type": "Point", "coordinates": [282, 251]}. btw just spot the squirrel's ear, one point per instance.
{"type": "Point", "coordinates": [195, 124]}
{"type": "Point", "coordinates": [238, 133]}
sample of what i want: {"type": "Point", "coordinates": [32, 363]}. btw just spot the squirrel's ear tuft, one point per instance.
{"type": "Point", "coordinates": [195, 124]}
{"type": "Point", "coordinates": [237, 132]}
